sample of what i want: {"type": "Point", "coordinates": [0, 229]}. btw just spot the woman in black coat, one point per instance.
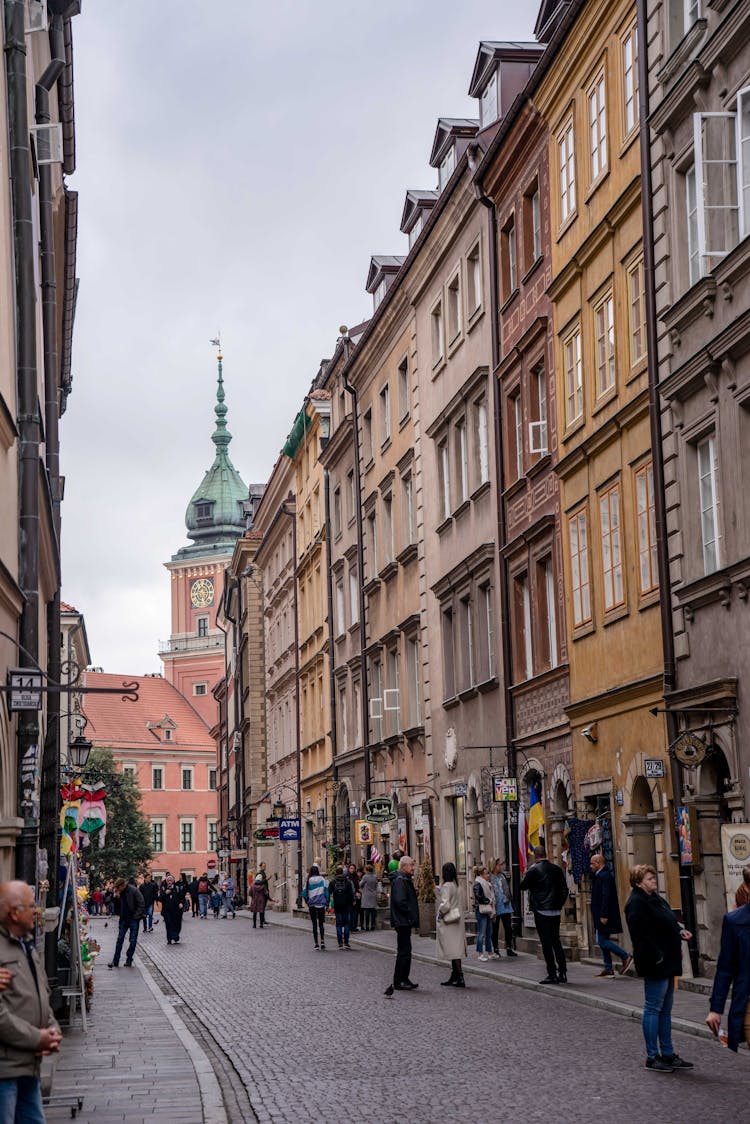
{"type": "Point", "coordinates": [172, 900]}
{"type": "Point", "coordinates": [656, 935]}
{"type": "Point", "coordinates": [733, 970]}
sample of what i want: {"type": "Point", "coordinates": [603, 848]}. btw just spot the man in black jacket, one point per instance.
{"type": "Point", "coordinates": [605, 914]}
{"type": "Point", "coordinates": [149, 893]}
{"type": "Point", "coordinates": [132, 909]}
{"type": "Point", "coordinates": [404, 918]}
{"type": "Point", "coordinates": [341, 896]}
{"type": "Point", "coordinates": [548, 892]}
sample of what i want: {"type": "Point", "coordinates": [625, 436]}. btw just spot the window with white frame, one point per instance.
{"type": "Point", "coordinates": [454, 307]}
{"type": "Point", "coordinates": [186, 835]}
{"type": "Point", "coordinates": [508, 268]}
{"type": "Point", "coordinates": [447, 166]}
{"type": "Point", "coordinates": [408, 527]}
{"type": "Point", "coordinates": [637, 312]}
{"type": "Point", "coordinates": [604, 327]}
{"type": "Point", "coordinates": [340, 607]}
{"type": "Point", "coordinates": [367, 435]}
{"type": "Point", "coordinates": [709, 503]}
{"type": "Point", "coordinates": [518, 434]}
{"type": "Point", "coordinates": [341, 718]}
{"type": "Point", "coordinates": [414, 673]}
{"type": "Point", "coordinates": [351, 498]}
{"type": "Point", "coordinates": [416, 229]}
{"type": "Point", "coordinates": [436, 321]}
{"type": "Point", "coordinates": [548, 610]}
{"type": "Point", "coordinates": [187, 777]}
{"type": "Point", "coordinates": [579, 568]}
{"type": "Point", "coordinates": [213, 835]}
{"type": "Point", "coordinates": [523, 647]}
{"type": "Point", "coordinates": [566, 155]}
{"type": "Point", "coordinates": [403, 389]}
{"type": "Point", "coordinates": [598, 127]}
{"type": "Point", "coordinates": [444, 478]}
{"type": "Point", "coordinates": [449, 665]}
{"type": "Point", "coordinates": [372, 544]}
{"type": "Point", "coordinates": [157, 836]}
{"type": "Point", "coordinates": [130, 772]}
{"type": "Point", "coordinates": [573, 377]}
{"type": "Point", "coordinates": [473, 280]}
{"type": "Point", "coordinates": [157, 777]}
{"type": "Point", "coordinates": [630, 78]}
{"type": "Point", "coordinates": [485, 633]}
{"type": "Point", "coordinates": [357, 707]}
{"type": "Point", "coordinates": [722, 180]}
{"type": "Point", "coordinates": [392, 701]}
{"type": "Point", "coordinates": [488, 102]}
{"type": "Point", "coordinates": [200, 688]}
{"type": "Point", "coordinates": [385, 414]}
{"type": "Point", "coordinates": [646, 521]}
{"type": "Point", "coordinates": [466, 627]}
{"type": "Point", "coordinates": [536, 225]}
{"type": "Point", "coordinates": [609, 518]}
{"type": "Point", "coordinates": [691, 211]}
{"type": "Point", "coordinates": [379, 293]}
{"type": "Point", "coordinates": [481, 440]}
{"type": "Point", "coordinates": [376, 699]}
{"type": "Point", "coordinates": [337, 521]}
{"type": "Point", "coordinates": [202, 626]}
{"type": "Point", "coordinates": [353, 595]}
{"type": "Point", "coordinates": [388, 551]}
{"type": "Point", "coordinates": [212, 780]}
{"type": "Point", "coordinates": [691, 12]}
{"type": "Point", "coordinates": [538, 424]}
{"type": "Point", "coordinates": [462, 460]}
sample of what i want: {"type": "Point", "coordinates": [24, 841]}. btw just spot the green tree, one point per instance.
{"type": "Point", "coordinates": [127, 845]}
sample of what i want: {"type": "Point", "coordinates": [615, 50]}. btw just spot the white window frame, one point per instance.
{"type": "Point", "coordinates": [454, 319]}
{"type": "Point", "coordinates": [200, 690]}
{"type": "Point", "coordinates": [474, 279]}
{"type": "Point", "coordinates": [388, 536]}
{"type": "Point", "coordinates": [691, 212]}
{"type": "Point", "coordinates": [384, 400]}
{"type": "Point", "coordinates": [580, 568]}
{"type": "Point", "coordinates": [212, 835]}
{"type": "Point", "coordinates": [538, 446]}
{"type": "Point", "coordinates": [353, 595]}
{"type": "Point", "coordinates": [462, 457]}
{"type": "Point", "coordinates": [573, 376]}
{"type": "Point", "coordinates": [408, 521]}
{"type": "Point", "coordinates": [708, 496]}
{"type": "Point", "coordinates": [604, 332]}
{"type": "Point", "coordinates": [444, 477]}
{"type": "Point", "coordinates": [447, 166]}
{"type": "Point", "coordinates": [610, 524]}
{"type": "Point", "coordinates": [437, 333]}
{"type": "Point", "coordinates": [700, 163]}
{"type": "Point", "coordinates": [512, 267]}
{"type": "Point", "coordinates": [187, 822]}
{"type": "Point", "coordinates": [404, 404]}
{"type": "Point", "coordinates": [481, 438]}
{"type": "Point", "coordinates": [567, 170]}
{"type": "Point", "coordinates": [183, 770]}
{"type": "Point", "coordinates": [631, 93]}
{"type": "Point", "coordinates": [549, 587]}
{"type": "Point", "coordinates": [536, 223]}
{"type": "Point", "coordinates": [645, 508]}
{"type": "Point", "coordinates": [154, 770]}
{"type": "Point", "coordinates": [340, 607]}
{"type": "Point", "coordinates": [597, 118]}
{"type": "Point", "coordinates": [213, 787]}
{"type": "Point", "coordinates": [488, 102]}
{"type": "Point", "coordinates": [413, 664]}
{"type": "Point", "coordinates": [518, 429]}
{"type": "Point", "coordinates": [158, 821]}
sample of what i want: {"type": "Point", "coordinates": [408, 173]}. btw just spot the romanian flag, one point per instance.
{"type": "Point", "coordinates": [536, 817]}
{"type": "Point", "coordinates": [523, 841]}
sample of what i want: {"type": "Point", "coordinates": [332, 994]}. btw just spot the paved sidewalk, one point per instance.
{"type": "Point", "coordinates": [622, 995]}
{"type": "Point", "coordinates": [135, 1063]}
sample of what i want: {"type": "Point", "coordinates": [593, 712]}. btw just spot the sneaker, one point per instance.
{"type": "Point", "coordinates": [322, 947]}
{"type": "Point", "coordinates": [625, 965]}
{"type": "Point", "coordinates": [676, 1061]}
{"type": "Point", "coordinates": [316, 946]}
{"type": "Point", "coordinates": [511, 952]}
{"type": "Point", "coordinates": [495, 956]}
{"type": "Point", "coordinates": [549, 980]}
{"type": "Point", "coordinates": [347, 945]}
{"type": "Point", "coordinates": [483, 956]}
{"type": "Point", "coordinates": [607, 975]}
{"type": "Point", "coordinates": [658, 1065]}
{"type": "Point", "coordinates": [113, 965]}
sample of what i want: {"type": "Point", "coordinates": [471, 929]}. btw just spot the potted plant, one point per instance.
{"type": "Point", "coordinates": [426, 897]}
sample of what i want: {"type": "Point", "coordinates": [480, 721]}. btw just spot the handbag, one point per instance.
{"type": "Point", "coordinates": [451, 916]}
{"type": "Point", "coordinates": [485, 908]}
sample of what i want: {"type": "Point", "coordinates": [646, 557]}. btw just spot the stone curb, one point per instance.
{"type": "Point", "coordinates": [211, 1098]}
{"type": "Point", "coordinates": [567, 991]}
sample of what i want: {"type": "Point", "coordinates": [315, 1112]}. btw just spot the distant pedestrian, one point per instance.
{"type": "Point", "coordinates": [315, 894]}
{"type": "Point", "coordinates": [203, 891]}
{"type": "Point", "coordinates": [193, 891]}
{"type": "Point", "coordinates": [227, 890]}
{"type": "Point", "coordinates": [97, 899]}
{"type": "Point", "coordinates": [172, 898]}
{"type": "Point", "coordinates": [404, 918]}
{"type": "Point", "coordinates": [28, 1029]}
{"type": "Point", "coordinates": [733, 970]}
{"type": "Point", "coordinates": [503, 910]}
{"type": "Point", "coordinates": [354, 879]}
{"type": "Point", "coordinates": [132, 910]}
{"type": "Point", "coordinates": [742, 896]}
{"type": "Point", "coordinates": [368, 888]}
{"type": "Point", "coordinates": [450, 935]}
{"type": "Point", "coordinates": [484, 910]}
{"type": "Point", "coordinates": [259, 897]}
{"type": "Point", "coordinates": [341, 897]}
{"type": "Point", "coordinates": [605, 914]}
{"type": "Point", "coordinates": [656, 935]}
{"type": "Point", "coordinates": [548, 892]}
{"type": "Point", "coordinates": [150, 892]}
{"type": "Point", "coordinates": [108, 900]}
{"type": "Point", "coordinates": [215, 896]}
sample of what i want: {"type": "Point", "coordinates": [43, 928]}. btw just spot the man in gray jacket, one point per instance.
{"type": "Point", "coordinates": [28, 1029]}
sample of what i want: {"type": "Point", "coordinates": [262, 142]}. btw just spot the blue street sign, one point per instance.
{"type": "Point", "coordinates": [289, 829]}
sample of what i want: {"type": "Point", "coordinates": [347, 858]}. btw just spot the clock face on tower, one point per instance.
{"type": "Point", "coordinates": [202, 593]}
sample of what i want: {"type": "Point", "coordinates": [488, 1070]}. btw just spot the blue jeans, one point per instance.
{"type": "Point", "coordinates": [343, 918]}
{"type": "Point", "coordinates": [148, 918]}
{"type": "Point", "coordinates": [21, 1100]}
{"type": "Point", "coordinates": [608, 947]}
{"type": "Point", "coordinates": [484, 932]}
{"type": "Point", "coordinates": [657, 1016]}
{"type": "Point", "coordinates": [126, 927]}
{"type": "Point", "coordinates": [229, 903]}
{"type": "Point", "coordinates": [203, 904]}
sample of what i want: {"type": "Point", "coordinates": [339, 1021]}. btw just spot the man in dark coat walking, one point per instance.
{"type": "Point", "coordinates": [605, 913]}
{"type": "Point", "coordinates": [548, 892]}
{"type": "Point", "coordinates": [656, 935]}
{"type": "Point", "coordinates": [132, 911]}
{"type": "Point", "coordinates": [404, 918]}
{"type": "Point", "coordinates": [733, 969]}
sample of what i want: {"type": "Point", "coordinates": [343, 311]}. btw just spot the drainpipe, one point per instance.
{"type": "Point", "coordinates": [364, 692]}
{"type": "Point", "coordinates": [687, 886]}
{"type": "Point", "coordinates": [501, 531]}
{"type": "Point", "coordinates": [29, 433]}
{"type": "Point", "coordinates": [291, 511]}
{"type": "Point", "coordinates": [331, 648]}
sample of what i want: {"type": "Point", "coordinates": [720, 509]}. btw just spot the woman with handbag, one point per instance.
{"type": "Point", "coordinates": [484, 911]}
{"type": "Point", "coordinates": [503, 909]}
{"type": "Point", "coordinates": [450, 928]}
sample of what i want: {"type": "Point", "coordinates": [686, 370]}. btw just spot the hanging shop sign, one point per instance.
{"type": "Point", "coordinates": [289, 829]}
{"type": "Point", "coordinates": [262, 834]}
{"type": "Point", "coordinates": [689, 749]}
{"type": "Point", "coordinates": [364, 834]}
{"type": "Point", "coordinates": [380, 809]}
{"type": "Point", "coordinates": [504, 788]}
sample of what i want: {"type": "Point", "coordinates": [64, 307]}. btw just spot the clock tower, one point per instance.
{"type": "Point", "coordinates": [193, 657]}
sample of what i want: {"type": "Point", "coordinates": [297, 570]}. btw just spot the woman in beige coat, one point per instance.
{"type": "Point", "coordinates": [451, 932]}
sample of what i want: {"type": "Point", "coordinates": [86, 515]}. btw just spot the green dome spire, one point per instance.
{"type": "Point", "coordinates": [215, 518]}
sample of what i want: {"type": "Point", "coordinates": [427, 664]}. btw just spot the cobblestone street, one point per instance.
{"type": "Point", "coordinates": [295, 1034]}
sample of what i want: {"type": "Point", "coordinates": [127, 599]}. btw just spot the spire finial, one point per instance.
{"type": "Point", "coordinates": [221, 435]}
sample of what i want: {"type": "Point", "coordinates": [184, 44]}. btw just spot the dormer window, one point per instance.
{"type": "Point", "coordinates": [379, 293]}
{"type": "Point", "coordinates": [204, 512]}
{"type": "Point", "coordinates": [416, 229]}
{"type": "Point", "coordinates": [447, 166]}
{"type": "Point", "coordinates": [488, 102]}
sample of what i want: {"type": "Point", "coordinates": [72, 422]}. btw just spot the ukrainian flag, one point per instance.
{"type": "Point", "coordinates": [536, 816]}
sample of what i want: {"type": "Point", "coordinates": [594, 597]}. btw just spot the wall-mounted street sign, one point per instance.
{"type": "Point", "coordinates": [263, 834]}
{"type": "Point", "coordinates": [654, 768]}
{"type": "Point", "coordinates": [504, 788]}
{"type": "Point", "coordinates": [211, 864]}
{"type": "Point", "coordinates": [380, 810]}
{"type": "Point", "coordinates": [289, 829]}
{"type": "Point", "coordinates": [25, 689]}
{"type": "Point", "coordinates": [223, 854]}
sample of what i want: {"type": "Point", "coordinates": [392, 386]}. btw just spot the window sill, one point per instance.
{"type": "Point", "coordinates": [389, 570]}
{"type": "Point", "coordinates": [596, 184]}
{"type": "Point", "coordinates": [404, 421]}
{"type": "Point", "coordinates": [341, 636]}
{"type": "Point", "coordinates": [370, 464]}
{"type": "Point", "coordinates": [532, 269]}
{"type": "Point", "coordinates": [408, 554]}
{"type": "Point", "coordinates": [478, 492]}
{"type": "Point", "coordinates": [449, 703]}
{"type": "Point", "coordinates": [437, 366]}
{"type": "Point", "coordinates": [604, 400]}
{"type": "Point", "coordinates": [648, 600]}
{"type": "Point", "coordinates": [351, 521]}
{"type": "Point", "coordinates": [391, 740]}
{"type": "Point", "coordinates": [637, 370]}
{"type": "Point", "coordinates": [567, 223]}
{"type": "Point", "coordinates": [386, 444]}
{"type": "Point", "coordinates": [629, 140]}
{"type": "Point", "coordinates": [508, 301]}
{"type": "Point", "coordinates": [468, 693]}
{"type": "Point", "coordinates": [513, 489]}
{"type": "Point", "coordinates": [372, 586]}
{"type": "Point", "coordinates": [539, 466]}
{"type": "Point", "coordinates": [412, 732]}
{"type": "Point", "coordinates": [486, 685]}
{"type": "Point", "coordinates": [455, 343]}
{"type": "Point", "coordinates": [573, 427]}
{"type": "Point", "coordinates": [442, 527]}
{"type": "Point", "coordinates": [353, 627]}
{"type": "Point", "coordinates": [474, 319]}
{"type": "Point", "coordinates": [337, 535]}
{"type": "Point", "coordinates": [616, 613]}
{"type": "Point", "coordinates": [462, 507]}
{"type": "Point", "coordinates": [582, 630]}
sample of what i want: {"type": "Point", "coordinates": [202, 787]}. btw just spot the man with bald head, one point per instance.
{"type": "Point", "coordinates": [28, 1029]}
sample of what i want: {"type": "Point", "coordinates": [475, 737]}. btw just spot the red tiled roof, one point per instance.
{"type": "Point", "coordinates": [112, 722]}
{"type": "Point", "coordinates": [66, 608]}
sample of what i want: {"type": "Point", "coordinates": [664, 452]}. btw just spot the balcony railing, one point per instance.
{"type": "Point", "coordinates": [191, 644]}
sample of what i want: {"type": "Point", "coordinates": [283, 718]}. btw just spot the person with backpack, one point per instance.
{"type": "Point", "coordinates": [315, 893]}
{"type": "Point", "coordinates": [193, 892]}
{"type": "Point", "coordinates": [132, 911]}
{"type": "Point", "coordinates": [204, 892]}
{"type": "Point", "coordinates": [341, 895]}
{"type": "Point", "coordinates": [149, 891]}
{"type": "Point", "coordinates": [227, 890]}
{"type": "Point", "coordinates": [548, 892]}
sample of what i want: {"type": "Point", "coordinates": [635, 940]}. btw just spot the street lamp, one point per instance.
{"type": "Point", "coordinates": [79, 749]}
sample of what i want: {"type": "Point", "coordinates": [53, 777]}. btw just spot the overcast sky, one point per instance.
{"type": "Point", "coordinates": [237, 165]}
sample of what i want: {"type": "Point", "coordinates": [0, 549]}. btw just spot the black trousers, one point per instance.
{"type": "Point", "coordinates": [403, 955]}
{"type": "Point", "coordinates": [369, 916]}
{"type": "Point", "coordinates": [318, 918]}
{"type": "Point", "coordinates": [548, 929]}
{"type": "Point", "coordinates": [507, 920]}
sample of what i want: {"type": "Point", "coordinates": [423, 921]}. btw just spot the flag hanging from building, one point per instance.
{"type": "Point", "coordinates": [523, 842]}
{"type": "Point", "coordinates": [536, 816]}
{"type": "Point", "coordinates": [375, 855]}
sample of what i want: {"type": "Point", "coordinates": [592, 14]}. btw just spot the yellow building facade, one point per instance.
{"type": "Point", "coordinates": [589, 99]}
